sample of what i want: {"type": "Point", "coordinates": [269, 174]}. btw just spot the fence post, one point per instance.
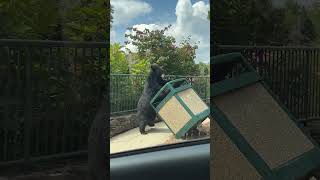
{"type": "Point", "coordinates": [307, 85]}
{"type": "Point", "coordinates": [28, 106]}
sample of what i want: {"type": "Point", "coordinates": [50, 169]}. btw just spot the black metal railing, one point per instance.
{"type": "Point", "coordinates": [126, 89]}
{"type": "Point", "coordinates": [49, 92]}
{"type": "Point", "coordinates": [292, 72]}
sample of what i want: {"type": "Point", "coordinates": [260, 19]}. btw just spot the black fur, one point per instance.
{"type": "Point", "coordinates": [145, 113]}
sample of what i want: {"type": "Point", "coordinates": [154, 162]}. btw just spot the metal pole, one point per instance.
{"type": "Point", "coordinates": [28, 107]}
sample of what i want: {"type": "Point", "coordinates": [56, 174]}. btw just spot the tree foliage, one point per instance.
{"type": "Point", "coordinates": [140, 65]}
{"type": "Point", "coordinates": [314, 15]}
{"type": "Point", "coordinates": [29, 19]}
{"type": "Point", "coordinates": [85, 20]}
{"type": "Point", "coordinates": [88, 21]}
{"type": "Point", "coordinates": [204, 69]}
{"type": "Point", "coordinates": [156, 47]}
{"type": "Point", "coordinates": [118, 61]}
{"type": "Point", "coordinates": [259, 22]}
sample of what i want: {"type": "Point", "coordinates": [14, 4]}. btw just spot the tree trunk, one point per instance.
{"type": "Point", "coordinates": [97, 144]}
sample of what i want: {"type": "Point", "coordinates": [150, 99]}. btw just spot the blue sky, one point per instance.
{"type": "Point", "coordinates": [188, 17]}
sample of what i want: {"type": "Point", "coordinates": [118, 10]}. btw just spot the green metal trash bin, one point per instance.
{"type": "Point", "coordinates": [179, 106]}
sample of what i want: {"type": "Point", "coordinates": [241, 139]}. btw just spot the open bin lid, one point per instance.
{"type": "Point", "coordinates": [167, 91]}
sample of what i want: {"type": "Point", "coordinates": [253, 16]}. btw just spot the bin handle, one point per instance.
{"type": "Point", "coordinates": [164, 87]}
{"type": "Point", "coordinates": [226, 58]}
{"type": "Point", "coordinates": [231, 57]}
{"type": "Point", "coordinates": [176, 80]}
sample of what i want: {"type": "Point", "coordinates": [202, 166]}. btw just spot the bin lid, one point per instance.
{"type": "Point", "coordinates": [168, 90]}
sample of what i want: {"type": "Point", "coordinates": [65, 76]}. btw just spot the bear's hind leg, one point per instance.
{"type": "Point", "coordinates": [142, 127]}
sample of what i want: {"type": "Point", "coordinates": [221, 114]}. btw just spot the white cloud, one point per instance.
{"type": "Point", "coordinates": [112, 35]}
{"type": "Point", "coordinates": [191, 20]}
{"type": "Point", "coordinates": [125, 10]}
{"type": "Point", "coordinates": [200, 9]}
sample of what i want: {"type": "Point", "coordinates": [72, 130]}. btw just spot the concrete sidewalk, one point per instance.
{"type": "Point", "coordinates": [157, 135]}
{"type": "Point", "coordinates": [132, 139]}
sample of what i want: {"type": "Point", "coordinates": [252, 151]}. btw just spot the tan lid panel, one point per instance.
{"type": "Point", "coordinates": [227, 162]}
{"type": "Point", "coordinates": [264, 124]}
{"type": "Point", "coordinates": [193, 101]}
{"type": "Point", "coordinates": [174, 114]}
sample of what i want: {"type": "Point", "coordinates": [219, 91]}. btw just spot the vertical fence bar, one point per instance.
{"type": "Point", "coordinates": [28, 106]}
{"type": "Point", "coordinates": [263, 62]}
{"type": "Point", "coordinates": [277, 73]}
{"type": "Point", "coordinates": [289, 63]}
{"type": "Point", "coordinates": [299, 83]}
{"type": "Point", "coordinates": [310, 111]}
{"type": "Point", "coordinates": [269, 66]}
{"type": "Point", "coordinates": [281, 75]}
{"type": "Point", "coordinates": [6, 106]}
{"type": "Point", "coordinates": [18, 92]}
{"type": "Point", "coordinates": [48, 122]}
{"type": "Point", "coordinates": [309, 84]}
{"type": "Point", "coordinates": [318, 84]}
{"type": "Point", "coordinates": [292, 104]}
{"type": "Point", "coordinates": [38, 127]}
{"type": "Point", "coordinates": [285, 78]}
{"type": "Point", "coordinates": [273, 70]}
{"type": "Point", "coordinates": [313, 82]}
{"type": "Point", "coordinates": [307, 108]}
{"type": "Point", "coordinates": [297, 97]}
{"type": "Point", "coordinates": [300, 64]}
{"type": "Point", "coordinates": [291, 79]}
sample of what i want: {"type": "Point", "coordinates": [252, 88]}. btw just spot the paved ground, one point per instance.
{"type": "Point", "coordinates": [132, 139]}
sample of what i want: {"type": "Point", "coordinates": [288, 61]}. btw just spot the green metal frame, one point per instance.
{"type": "Point", "coordinates": [195, 118]}
{"type": "Point", "coordinates": [234, 83]}
{"type": "Point", "coordinates": [292, 169]}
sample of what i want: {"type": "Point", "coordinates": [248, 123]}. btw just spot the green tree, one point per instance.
{"type": "Point", "coordinates": [300, 25]}
{"type": "Point", "coordinates": [308, 28]}
{"type": "Point", "coordinates": [314, 15]}
{"type": "Point", "coordinates": [140, 65]}
{"type": "Point", "coordinates": [88, 21]}
{"type": "Point", "coordinates": [204, 69]}
{"type": "Point", "coordinates": [156, 47]}
{"type": "Point", "coordinates": [248, 22]}
{"type": "Point", "coordinates": [81, 20]}
{"type": "Point", "coordinates": [258, 22]}
{"type": "Point", "coordinates": [29, 19]}
{"type": "Point", "coordinates": [118, 61]}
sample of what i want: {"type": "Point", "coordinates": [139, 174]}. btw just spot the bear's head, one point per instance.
{"type": "Point", "coordinates": [157, 73]}
{"type": "Point", "coordinates": [156, 70]}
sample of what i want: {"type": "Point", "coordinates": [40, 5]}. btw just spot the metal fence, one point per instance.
{"type": "Point", "coordinates": [126, 89]}
{"type": "Point", "coordinates": [292, 72]}
{"type": "Point", "coordinates": [49, 93]}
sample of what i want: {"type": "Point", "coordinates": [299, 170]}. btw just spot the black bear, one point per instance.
{"type": "Point", "coordinates": [145, 113]}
